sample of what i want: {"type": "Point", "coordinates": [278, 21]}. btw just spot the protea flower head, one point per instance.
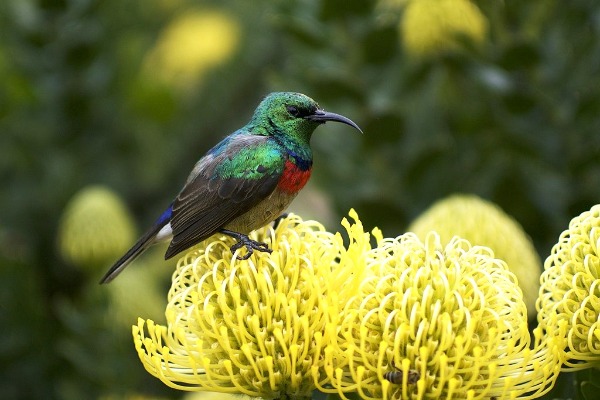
{"type": "Point", "coordinates": [258, 326]}
{"type": "Point", "coordinates": [434, 26]}
{"type": "Point", "coordinates": [406, 319]}
{"type": "Point", "coordinates": [433, 321]}
{"type": "Point", "coordinates": [570, 291]}
{"type": "Point", "coordinates": [95, 227]}
{"type": "Point", "coordinates": [484, 223]}
{"type": "Point", "coordinates": [191, 45]}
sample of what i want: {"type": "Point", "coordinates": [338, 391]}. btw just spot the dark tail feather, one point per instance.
{"type": "Point", "coordinates": [138, 248]}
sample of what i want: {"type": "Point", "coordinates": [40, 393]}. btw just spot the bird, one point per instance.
{"type": "Point", "coordinates": [243, 183]}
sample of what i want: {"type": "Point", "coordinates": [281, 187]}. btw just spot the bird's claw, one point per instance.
{"type": "Point", "coordinates": [245, 241]}
{"type": "Point", "coordinates": [251, 245]}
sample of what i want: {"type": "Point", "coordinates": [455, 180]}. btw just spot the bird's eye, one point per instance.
{"type": "Point", "coordinates": [294, 112]}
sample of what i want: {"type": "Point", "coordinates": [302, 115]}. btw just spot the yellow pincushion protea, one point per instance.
{"type": "Point", "coordinates": [570, 290]}
{"type": "Point", "coordinates": [484, 223]}
{"type": "Point", "coordinates": [258, 326]}
{"type": "Point", "coordinates": [192, 44]}
{"type": "Point", "coordinates": [95, 228]}
{"type": "Point", "coordinates": [432, 26]}
{"type": "Point", "coordinates": [448, 322]}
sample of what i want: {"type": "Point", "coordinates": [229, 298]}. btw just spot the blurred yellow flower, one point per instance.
{"type": "Point", "coordinates": [570, 290]}
{"type": "Point", "coordinates": [484, 223]}
{"type": "Point", "coordinates": [140, 291]}
{"type": "Point", "coordinates": [95, 228]}
{"type": "Point", "coordinates": [257, 326]}
{"type": "Point", "coordinates": [440, 323]}
{"type": "Point", "coordinates": [191, 45]}
{"type": "Point", "coordinates": [433, 26]}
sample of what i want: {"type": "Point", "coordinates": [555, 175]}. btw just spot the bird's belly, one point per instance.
{"type": "Point", "coordinates": [262, 213]}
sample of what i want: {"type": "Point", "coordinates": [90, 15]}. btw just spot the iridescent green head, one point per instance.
{"type": "Point", "coordinates": [292, 115]}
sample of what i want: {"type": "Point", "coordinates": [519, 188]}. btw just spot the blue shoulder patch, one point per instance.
{"type": "Point", "coordinates": [165, 217]}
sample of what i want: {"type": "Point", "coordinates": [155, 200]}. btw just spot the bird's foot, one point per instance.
{"type": "Point", "coordinates": [244, 240]}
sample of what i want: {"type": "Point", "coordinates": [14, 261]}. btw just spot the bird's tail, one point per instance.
{"type": "Point", "coordinates": [147, 240]}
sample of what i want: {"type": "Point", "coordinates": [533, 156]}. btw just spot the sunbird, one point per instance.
{"type": "Point", "coordinates": [243, 183]}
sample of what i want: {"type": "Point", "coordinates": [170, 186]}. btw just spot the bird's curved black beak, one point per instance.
{"type": "Point", "coordinates": [324, 116]}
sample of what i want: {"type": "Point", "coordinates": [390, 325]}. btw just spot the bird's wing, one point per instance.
{"type": "Point", "coordinates": [227, 182]}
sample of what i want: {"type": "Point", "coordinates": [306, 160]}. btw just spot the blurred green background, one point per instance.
{"type": "Point", "coordinates": [106, 105]}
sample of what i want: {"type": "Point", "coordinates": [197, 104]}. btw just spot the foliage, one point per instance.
{"type": "Point", "coordinates": [512, 117]}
